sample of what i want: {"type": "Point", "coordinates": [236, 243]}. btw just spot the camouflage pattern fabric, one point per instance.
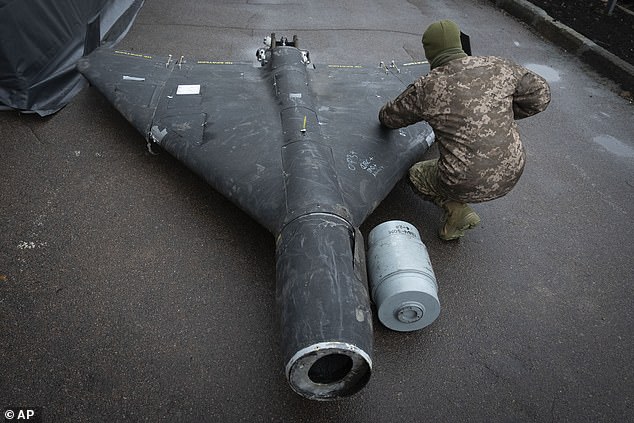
{"type": "Point", "coordinates": [424, 177]}
{"type": "Point", "coordinates": [472, 104]}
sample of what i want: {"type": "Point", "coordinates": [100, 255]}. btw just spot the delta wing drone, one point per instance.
{"type": "Point", "coordinates": [300, 149]}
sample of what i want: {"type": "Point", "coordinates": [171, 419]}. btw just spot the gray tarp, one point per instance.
{"type": "Point", "coordinates": [42, 40]}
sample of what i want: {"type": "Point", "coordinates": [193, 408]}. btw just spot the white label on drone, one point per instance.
{"type": "Point", "coordinates": [188, 89]}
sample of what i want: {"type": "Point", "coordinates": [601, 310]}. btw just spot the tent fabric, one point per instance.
{"type": "Point", "coordinates": [41, 42]}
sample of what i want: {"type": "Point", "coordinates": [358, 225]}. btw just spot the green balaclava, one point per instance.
{"type": "Point", "coordinates": [441, 42]}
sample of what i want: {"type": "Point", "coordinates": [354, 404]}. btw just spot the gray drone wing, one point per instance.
{"type": "Point", "coordinates": [370, 159]}
{"type": "Point", "coordinates": [223, 121]}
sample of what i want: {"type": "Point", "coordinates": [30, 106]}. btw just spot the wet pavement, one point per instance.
{"type": "Point", "coordinates": [131, 291]}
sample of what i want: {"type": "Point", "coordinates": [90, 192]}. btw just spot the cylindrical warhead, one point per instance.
{"type": "Point", "coordinates": [402, 280]}
{"type": "Point", "coordinates": [326, 321]}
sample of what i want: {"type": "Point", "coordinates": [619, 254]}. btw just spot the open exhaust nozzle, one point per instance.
{"type": "Point", "coordinates": [329, 370]}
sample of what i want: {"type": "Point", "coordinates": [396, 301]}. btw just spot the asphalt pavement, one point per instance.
{"type": "Point", "coordinates": [132, 291]}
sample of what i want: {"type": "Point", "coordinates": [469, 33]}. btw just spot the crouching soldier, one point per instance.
{"type": "Point", "coordinates": [472, 104]}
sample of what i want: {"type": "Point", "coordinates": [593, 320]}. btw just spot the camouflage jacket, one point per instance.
{"type": "Point", "coordinates": [472, 104]}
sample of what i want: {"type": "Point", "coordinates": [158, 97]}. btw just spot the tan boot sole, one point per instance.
{"type": "Point", "coordinates": [471, 220]}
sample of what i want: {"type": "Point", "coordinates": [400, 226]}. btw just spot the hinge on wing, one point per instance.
{"type": "Point", "coordinates": [392, 66]}
{"type": "Point", "coordinates": [155, 135]}
{"type": "Point", "coordinates": [149, 149]}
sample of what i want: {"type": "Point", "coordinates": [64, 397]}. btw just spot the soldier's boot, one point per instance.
{"type": "Point", "coordinates": [459, 217]}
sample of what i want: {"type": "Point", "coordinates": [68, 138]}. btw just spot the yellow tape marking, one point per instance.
{"type": "Point", "coordinates": [127, 53]}
{"type": "Point", "coordinates": [346, 66]}
{"type": "Point", "coordinates": [207, 62]}
{"type": "Point", "coordinates": [415, 63]}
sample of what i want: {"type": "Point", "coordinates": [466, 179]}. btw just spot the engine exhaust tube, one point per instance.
{"type": "Point", "coordinates": [322, 293]}
{"type": "Point", "coordinates": [324, 305]}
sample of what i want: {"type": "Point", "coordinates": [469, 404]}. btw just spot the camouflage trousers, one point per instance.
{"type": "Point", "coordinates": [424, 177]}
{"type": "Point", "coordinates": [458, 217]}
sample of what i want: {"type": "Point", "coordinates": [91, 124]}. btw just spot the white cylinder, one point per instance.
{"type": "Point", "coordinates": [402, 281]}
